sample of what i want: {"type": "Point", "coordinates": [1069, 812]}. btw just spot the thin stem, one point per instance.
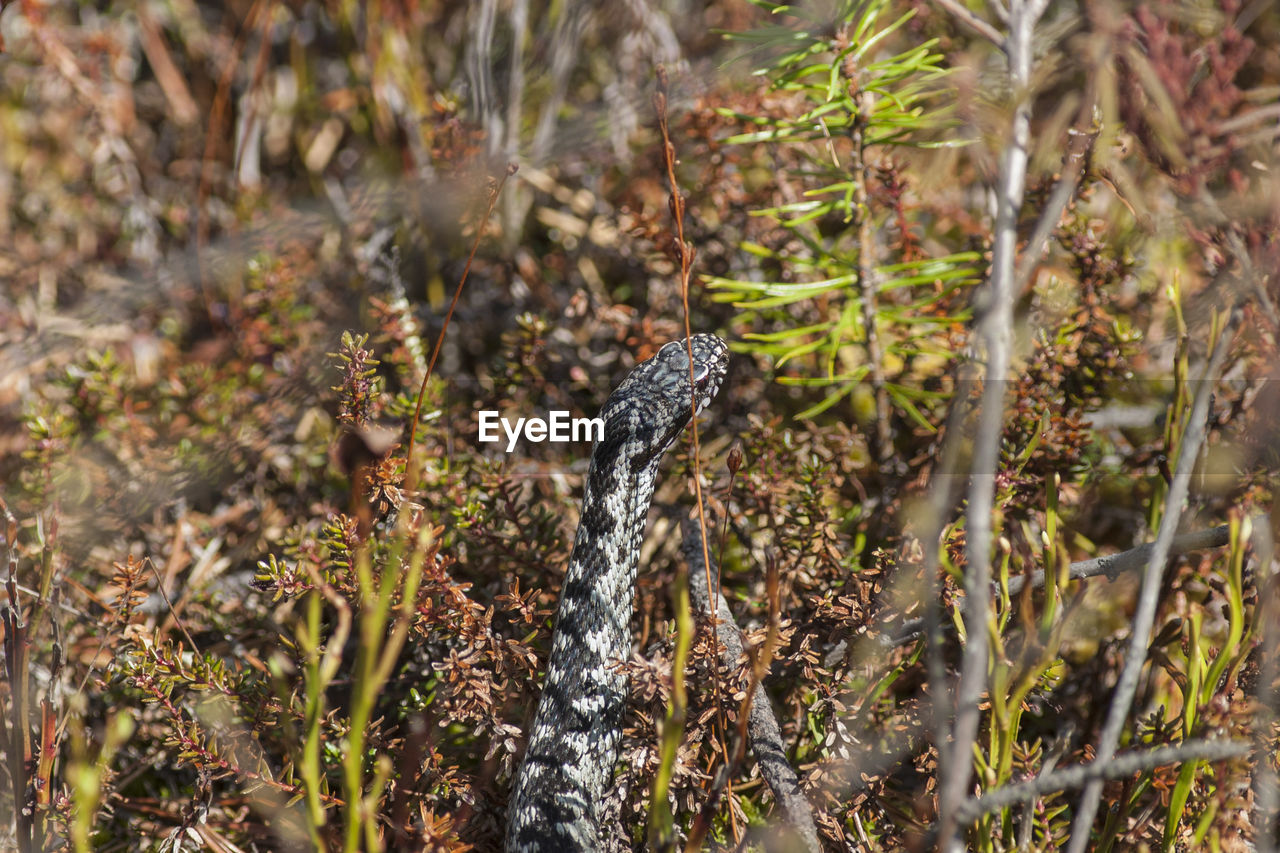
{"type": "Point", "coordinates": [410, 473]}
{"type": "Point", "coordinates": [867, 277]}
{"type": "Point", "coordinates": [686, 253]}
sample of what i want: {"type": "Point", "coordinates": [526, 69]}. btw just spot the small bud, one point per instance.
{"type": "Point", "coordinates": [735, 458]}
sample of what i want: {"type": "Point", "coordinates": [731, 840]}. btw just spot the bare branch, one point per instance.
{"type": "Point", "coordinates": [1111, 565]}
{"type": "Point", "coordinates": [1073, 165]}
{"type": "Point", "coordinates": [1118, 767]}
{"type": "Point", "coordinates": [1148, 598]}
{"type": "Point", "coordinates": [936, 509]}
{"type": "Point", "coordinates": [994, 328]}
{"type": "Point", "coordinates": [973, 22]}
{"type": "Point", "coordinates": [1266, 786]}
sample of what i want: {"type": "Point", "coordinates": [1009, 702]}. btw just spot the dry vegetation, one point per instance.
{"type": "Point", "coordinates": [239, 617]}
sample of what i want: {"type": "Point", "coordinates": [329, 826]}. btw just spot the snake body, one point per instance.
{"type": "Point", "coordinates": [568, 764]}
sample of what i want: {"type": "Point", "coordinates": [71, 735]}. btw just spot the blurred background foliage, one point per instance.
{"type": "Point", "coordinates": [229, 235]}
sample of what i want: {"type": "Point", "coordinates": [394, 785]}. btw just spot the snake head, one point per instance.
{"type": "Point", "coordinates": [657, 400]}
{"type": "Point", "coordinates": [710, 361]}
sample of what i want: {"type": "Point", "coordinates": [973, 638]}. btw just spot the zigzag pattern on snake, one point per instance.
{"type": "Point", "coordinates": [568, 764]}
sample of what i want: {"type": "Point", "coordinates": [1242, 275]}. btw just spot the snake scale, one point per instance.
{"type": "Point", "coordinates": [568, 765]}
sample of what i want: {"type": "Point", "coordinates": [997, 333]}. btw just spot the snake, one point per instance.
{"type": "Point", "coordinates": [573, 743]}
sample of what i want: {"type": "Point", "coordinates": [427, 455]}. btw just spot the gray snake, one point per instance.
{"type": "Point", "coordinates": [573, 744]}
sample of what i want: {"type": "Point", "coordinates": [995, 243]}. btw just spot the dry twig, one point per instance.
{"type": "Point", "coordinates": [763, 732]}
